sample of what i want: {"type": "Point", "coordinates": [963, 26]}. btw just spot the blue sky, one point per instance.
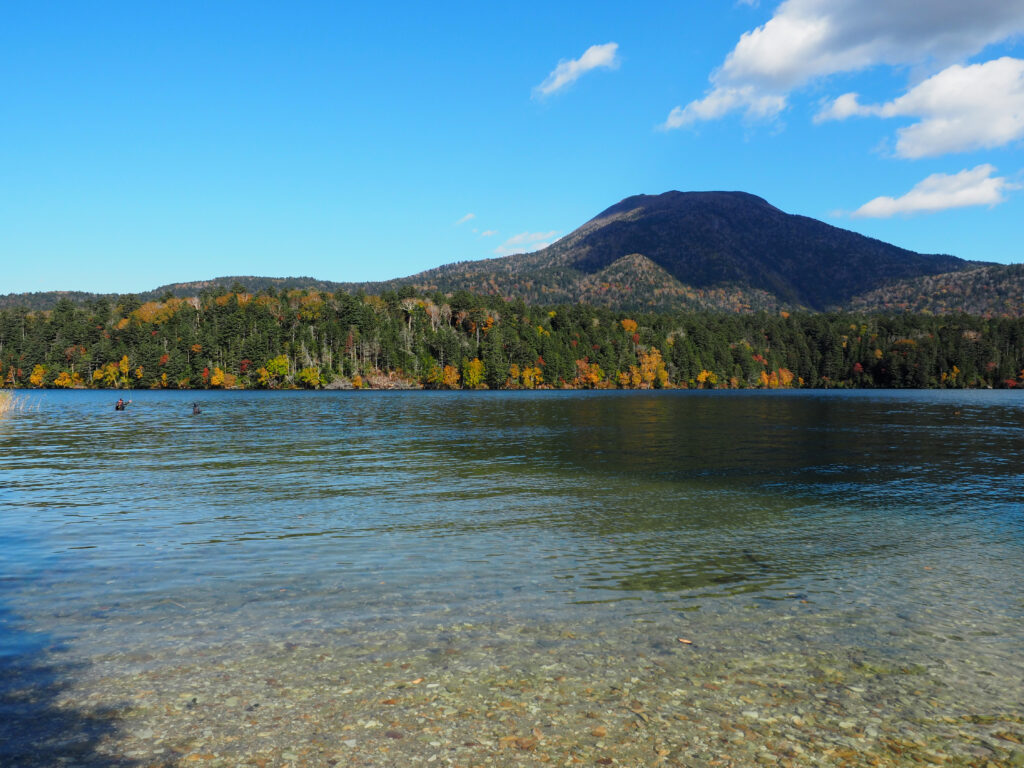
{"type": "Point", "coordinates": [142, 144]}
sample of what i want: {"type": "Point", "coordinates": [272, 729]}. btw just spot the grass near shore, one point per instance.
{"type": "Point", "coordinates": [11, 403]}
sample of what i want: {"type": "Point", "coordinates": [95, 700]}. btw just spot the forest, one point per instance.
{"type": "Point", "coordinates": [232, 339]}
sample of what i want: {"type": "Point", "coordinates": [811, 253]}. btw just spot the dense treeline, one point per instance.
{"type": "Point", "coordinates": [233, 339]}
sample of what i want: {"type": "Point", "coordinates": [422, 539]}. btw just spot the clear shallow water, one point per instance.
{"type": "Point", "coordinates": [870, 531]}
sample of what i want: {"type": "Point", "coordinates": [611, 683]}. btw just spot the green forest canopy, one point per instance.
{"type": "Point", "coordinates": [301, 338]}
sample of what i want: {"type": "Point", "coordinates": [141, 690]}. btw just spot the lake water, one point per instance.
{"type": "Point", "coordinates": [385, 578]}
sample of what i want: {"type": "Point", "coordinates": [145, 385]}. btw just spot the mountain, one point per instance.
{"type": "Point", "coordinates": [729, 249]}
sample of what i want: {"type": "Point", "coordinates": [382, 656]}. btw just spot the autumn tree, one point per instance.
{"type": "Point", "coordinates": [450, 377]}
{"type": "Point", "coordinates": [310, 378]}
{"type": "Point", "coordinates": [588, 374]}
{"type": "Point", "coordinates": [472, 373]}
{"type": "Point", "coordinates": [531, 377]}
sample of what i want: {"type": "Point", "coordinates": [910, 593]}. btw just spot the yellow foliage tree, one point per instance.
{"type": "Point", "coordinates": [531, 376]}
{"type": "Point", "coordinates": [310, 377]}
{"type": "Point", "coordinates": [111, 375]}
{"type": "Point", "coordinates": [636, 379]}
{"type": "Point", "coordinates": [652, 370]}
{"type": "Point", "coordinates": [629, 326]}
{"type": "Point", "coordinates": [37, 376]}
{"type": "Point", "coordinates": [157, 312]}
{"type": "Point", "coordinates": [473, 373]}
{"type": "Point", "coordinates": [707, 378]}
{"type": "Point", "coordinates": [278, 366]}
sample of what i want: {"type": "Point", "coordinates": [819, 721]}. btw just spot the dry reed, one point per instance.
{"type": "Point", "coordinates": [11, 403]}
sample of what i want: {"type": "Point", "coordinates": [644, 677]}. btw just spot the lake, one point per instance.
{"type": "Point", "coordinates": [512, 578]}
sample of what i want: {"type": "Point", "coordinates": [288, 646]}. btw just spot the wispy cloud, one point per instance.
{"type": "Point", "coordinates": [806, 40]}
{"type": "Point", "coordinates": [568, 72]}
{"type": "Point", "coordinates": [526, 242]}
{"type": "Point", "coordinates": [464, 219]}
{"type": "Point", "coordinates": [489, 233]}
{"type": "Point", "coordinates": [942, 191]}
{"type": "Point", "coordinates": [960, 109]}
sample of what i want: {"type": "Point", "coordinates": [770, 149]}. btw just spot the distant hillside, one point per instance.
{"type": "Point", "coordinates": [249, 283]}
{"type": "Point", "coordinates": [45, 299]}
{"type": "Point", "coordinates": [730, 250]}
{"type": "Point", "coordinates": [993, 290]}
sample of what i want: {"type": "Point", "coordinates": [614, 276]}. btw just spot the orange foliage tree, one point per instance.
{"type": "Point", "coordinates": [450, 377]}
{"type": "Point", "coordinates": [588, 374]}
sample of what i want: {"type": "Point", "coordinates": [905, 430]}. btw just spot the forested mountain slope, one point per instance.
{"type": "Point", "coordinates": [996, 290]}
{"type": "Point", "coordinates": [733, 247]}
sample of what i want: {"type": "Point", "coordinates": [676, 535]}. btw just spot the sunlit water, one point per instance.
{"type": "Point", "coordinates": [866, 529]}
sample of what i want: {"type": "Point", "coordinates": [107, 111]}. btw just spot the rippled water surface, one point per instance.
{"type": "Point", "coordinates": [864, 551]}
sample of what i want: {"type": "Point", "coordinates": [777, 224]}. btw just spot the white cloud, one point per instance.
{"type": "Point", "coordinates": [489, 233]}
{"type": "Point", "coordinates": [568, 72]}
{"type": "Point", "coordinates": [809, 39]}
{"type": "Point", "coordinates": [526, 242]}
{"type": "Point", "coordinates": [941, 191]}
{"type": "Point", "coordinates": [724, 100]}
{"type": "Point", "coordinates": [960, 109]}
{"type": "Point", "coordinates": [464, 219]}
{"type": "Point", "coordinates": [847, 105]}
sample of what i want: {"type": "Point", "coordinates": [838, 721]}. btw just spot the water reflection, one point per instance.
{"type": "Point", "coordinates": [584, 496]}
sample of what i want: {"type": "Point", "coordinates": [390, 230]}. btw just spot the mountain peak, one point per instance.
{"type": "Point", "coordinates": [676, 200]}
